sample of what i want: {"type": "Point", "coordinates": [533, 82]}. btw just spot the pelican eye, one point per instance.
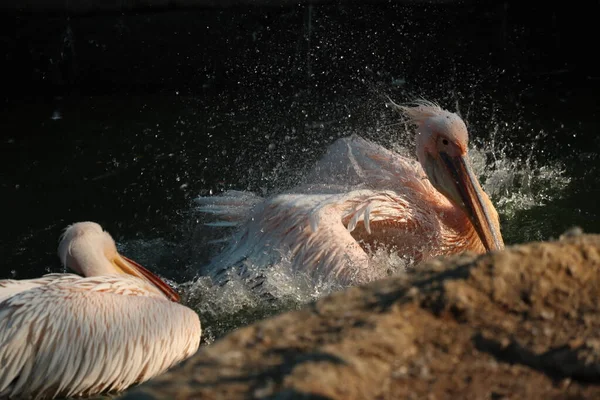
{"type": "Point", "coordinates": [445, 142]}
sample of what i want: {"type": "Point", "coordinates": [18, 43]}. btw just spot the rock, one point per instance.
{"type": "Point", "coordinates": [522, 323]}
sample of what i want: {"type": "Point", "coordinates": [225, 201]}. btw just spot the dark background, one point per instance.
{"type": "Point", "coordinates": [161, 102]}
{"type": "Point", "coordinates": [155, 49]}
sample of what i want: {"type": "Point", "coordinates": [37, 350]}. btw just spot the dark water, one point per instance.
{"type": "Point", "coordinates": [124, 119]}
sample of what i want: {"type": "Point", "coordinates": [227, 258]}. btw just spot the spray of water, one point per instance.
{"type": "Point", "coordinates": [515, 184]}
{"type": "Point", "coordinates": [518, 185]}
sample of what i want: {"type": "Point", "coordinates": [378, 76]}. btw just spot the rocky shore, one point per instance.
{"type": "Point", "coordinates": [522, 323]}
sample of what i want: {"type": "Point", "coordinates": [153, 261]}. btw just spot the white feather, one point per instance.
{"type": "Point", "coordinates": [367, 216]}
{"type": "Point", "coordinates": [78, 342]}
{"type": "Point", "coordinates": [63, 335]}
{"type": "Point", "coordinates": [314, 226]}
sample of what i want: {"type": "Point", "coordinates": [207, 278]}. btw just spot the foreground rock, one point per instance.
{"type": "Point", "coordinates": [523, 323]}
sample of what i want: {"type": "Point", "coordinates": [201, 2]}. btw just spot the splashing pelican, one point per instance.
{"type": "Point", "coordinates": [362, 195]}
{"type": "Point", "coordinates": [65, 335]}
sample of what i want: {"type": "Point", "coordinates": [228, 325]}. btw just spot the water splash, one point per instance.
{"type": "Point", "coordinates": [225, 307]}
{"type": "Point", "coordinates": [519, 185]}
{"type": "Point", "coordinates": [514, 183]}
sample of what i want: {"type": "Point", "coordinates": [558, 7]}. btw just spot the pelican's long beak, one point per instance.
{"type": "Point", "coordinates": [131, 267]}
{"type": "Point", "coordinates": [462, 187]}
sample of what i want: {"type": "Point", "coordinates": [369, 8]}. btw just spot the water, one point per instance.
{"type": "Point", "coordinates": [149, 181]}
{"type": "Point", "coordinates": [517, 186]}
{"type": "Point", "coordinates": [265, 96]}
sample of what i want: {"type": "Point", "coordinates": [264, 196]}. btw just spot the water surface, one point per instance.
{"type": "Point", "coordinates": [250, 100]}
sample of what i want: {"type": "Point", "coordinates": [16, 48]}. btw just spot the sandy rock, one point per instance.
{"type": "Point", "coordinates": [522, 323]}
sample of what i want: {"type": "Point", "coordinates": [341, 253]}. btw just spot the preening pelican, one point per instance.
{"type": "Point", "coordinates": [64, 335]}
{"type": "Point", "coordinates": [361, 195]}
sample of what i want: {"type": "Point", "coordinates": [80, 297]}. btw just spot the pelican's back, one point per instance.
{"type": "Point", "coordinates": [10, 287]}
{"type": "Point", "coordinates": [77, 336]}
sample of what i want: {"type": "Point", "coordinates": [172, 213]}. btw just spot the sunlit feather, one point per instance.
{"type": "Point", "coordinates": [361, 195]}
{"type": "Point", "coordinates": [66, 335]}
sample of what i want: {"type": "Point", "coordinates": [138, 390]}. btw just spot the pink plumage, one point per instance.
{"type": "Point", "coordinates": [65, 335]}
{"type": "Point", "coordinates": [361, 195]}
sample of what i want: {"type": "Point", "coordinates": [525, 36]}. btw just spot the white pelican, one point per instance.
{"type": "Point", "coordinates": [65, 335]}
{"type": "Point", "coordinates": [362, 195]}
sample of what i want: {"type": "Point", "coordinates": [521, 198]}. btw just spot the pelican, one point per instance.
{"type": "Point", "coordinates": [359, 196]}
{"type": "Point", "coordinates": [64, 335]}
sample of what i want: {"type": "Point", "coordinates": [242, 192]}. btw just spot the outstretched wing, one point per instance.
{"type": "Point", "coordinates": [354, 162]}
{"type": "Point", "coordinates": [79, 336]}
{"type": "Point", "coordinates": [357, 190]}
{"type": "Point", "coordinates": [233, 206]}
{"type": "Point", "coordinates": [306, 229]}
{"type": "Point", "coordinates": [315, 233]}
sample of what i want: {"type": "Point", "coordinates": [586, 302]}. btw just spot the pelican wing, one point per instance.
{"type": "Point", "coordinates": [356, 188]}
{"type": "Point", "coordinates": [354, 162]}
{"type": "Point", "coordinates": [10, 287]}
{"type": "Point", "coordinates": [315, 233]}
{"type": "Point", "coordinates": [76, 336]}
{"type": "Point", "coordinates": [305, 229]}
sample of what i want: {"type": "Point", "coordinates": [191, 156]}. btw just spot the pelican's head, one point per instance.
{"type": "Point", "coordinates": [90, 251]}
{"type": "Point", "coordinates": [442, 142]}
